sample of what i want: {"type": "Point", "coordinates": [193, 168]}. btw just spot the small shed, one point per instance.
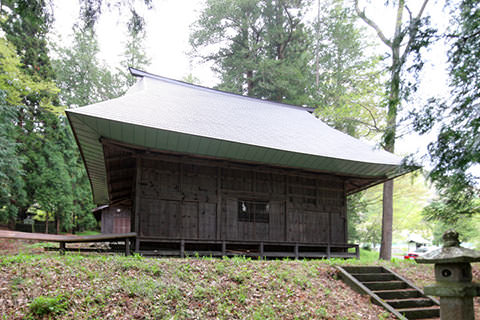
{"type": "Point", "coordinates": [113, 219]}
{"type": "Point", "coordinates": [417, 242]}
{"type": "Point", "coordinates": [201, 170]}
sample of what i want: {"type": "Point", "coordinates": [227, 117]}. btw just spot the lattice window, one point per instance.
{"type": "Point", "coordinates": [253, 211]}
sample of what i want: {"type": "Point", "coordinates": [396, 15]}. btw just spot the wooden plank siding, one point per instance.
{"type": "Point", "coordinates": [198, 199]}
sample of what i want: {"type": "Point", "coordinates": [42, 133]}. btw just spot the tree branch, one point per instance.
{"type": "Point", "coordinates": [372, 24]}
{"type": "Point", "coordinates": [375, 125]}
{"type": "Point", "coordinates": [413, 31]}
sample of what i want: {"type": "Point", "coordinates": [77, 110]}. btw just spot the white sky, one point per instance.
{"type": "Point", "coordinates": [168, 29]}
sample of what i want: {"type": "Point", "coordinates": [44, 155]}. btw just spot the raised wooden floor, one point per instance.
{"type": "Point", "coordinates": [258, 249]}
{"type": "Point", "coordinates": [63, 239]}
{"type": "Point", "coordinates": [186, 247]}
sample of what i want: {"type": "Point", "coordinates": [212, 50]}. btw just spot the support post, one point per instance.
{"type": "Point", "coordinates": [328, 251]}
{"type": "Point", "coordinates": [182, 248]}
{"type": "Point", "coordinates": [296, 251]}
{"type": "Point", "coordinates": [357, 251]}
{"type": "Point", "coordinates": [261, 250]}
{"type": "Point", "coordinates": [62, 248]}
{"type": "Point", "coordinates": [224, 248]}
{"type": "Point", "coordinates": [127, 247]}
{"type": "Point", "coordinates": [138, 177]}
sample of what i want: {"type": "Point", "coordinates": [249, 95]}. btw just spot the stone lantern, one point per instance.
{"type": "Point", "coordinates": [453, 274]}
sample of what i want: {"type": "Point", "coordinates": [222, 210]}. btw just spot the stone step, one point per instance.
{"type": "Point", "coordinates": [420, 313]}
{"type": "Point", "coordinates": [397, 294]}
{"type": "Point", "coordinates": [364, 269]}
{"type": "Point", "coordinates": [410, 303]}
{"type": "Point", "coordinates": [385, 285]}
{"type": "Point", "coordinates": [391, 291]}
{"type": "Point", "coordinates": [374, 276]}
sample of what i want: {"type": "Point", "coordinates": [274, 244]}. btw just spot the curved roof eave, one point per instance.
{"type": "Point", "coordinates": [167, 115]}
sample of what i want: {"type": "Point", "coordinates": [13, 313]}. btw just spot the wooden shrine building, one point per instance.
{"type": "Point", "coordinates": [216, 173]}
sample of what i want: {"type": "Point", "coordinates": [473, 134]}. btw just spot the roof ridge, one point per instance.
{"type": "Point", "coordinates": [140, 73]}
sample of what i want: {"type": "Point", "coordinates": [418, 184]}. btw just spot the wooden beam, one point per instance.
{"type": "Point", "coordinates": [254, 166]}
{"type": "Point", "coordinates": [7, 234]}
{"type": "Point", "coordinates": [138, 177]}
{"type": "Point", "coordinates": [218, 213]}
{"type": "Point", "coordinates": [121, 192]}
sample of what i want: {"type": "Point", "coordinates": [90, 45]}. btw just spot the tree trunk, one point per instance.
{"type": "Point", "coordinates": [398, 60]}
{"type": "Point", "coordinates": [389, 145]}
{"type": "Point", "coordinates": [46, 222]}
{"type": "Point", "coordinates": [387, 221]}
{"type": "Point", "coordinates": [250, 83]}
{"type": "Point", "coordinates": [57, 220]}
{"type": "Point", "coordinates": [390, 134]}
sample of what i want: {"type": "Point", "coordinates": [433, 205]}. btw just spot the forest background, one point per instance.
{"type": "Point", "coordinates": [322, 54]}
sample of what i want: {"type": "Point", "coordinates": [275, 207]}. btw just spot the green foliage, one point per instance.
{"type": "Point", "coordinates": [456, 151]}
{"type": "Point", "coordinates": [43, 168]}
{"type": "Point", "coordinates": [134, 55]}
{"type": "Point", "coordinates": [411, 195]}
{"type": "Point", "coordinates": [26, 103]}
{"type": "Point", "coordinates": [467, 227]}
{"type": "Point", "coordinates": [26, 24]}
{"type": "Point", "coordinates": [11, 183]}
{"type": "Point", "coordinates": [411, 35]}
{"type": "Point", "coordinates": [349, 83]}
{"type": "Point", "coordinates": [261, 47]}
{"type": "Point", "coordinates": [81, 76]}
{"type": "Point", "coordinates": [90, 10]}
{"type": "Point", "coordinates": [42, 305]}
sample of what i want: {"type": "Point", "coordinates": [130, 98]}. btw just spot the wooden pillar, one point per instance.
{"type": "Point", "coordinates": [329, 228]}
{"type": "Point", "coordinates": [182, 248]}
{"type": "Point", "coordinates": [345, 212]}
{"type": "Point", "coordinates": [328, 251]}
{"type": "Point", "coordinates": [285, 220]}
{"type": "Point", "coordinates": [224, 248]}
{"type": "Point", "coordinates": [127, 247]}
{"type": "Point", "coordinates": [62, 248]}
{"type": "Point", "coordinates": [296, 251]}
{"type": "Point", "coordinates": [218, 213]}
{"type": "Point", "coordinates": [261, 250]}
{"type": "Point", "coordinates": [138, 177]}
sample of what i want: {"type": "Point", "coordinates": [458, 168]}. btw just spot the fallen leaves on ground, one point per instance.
{"type": "Point", "coordinates": [116, 287]}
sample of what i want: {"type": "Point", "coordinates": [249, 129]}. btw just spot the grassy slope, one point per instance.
{"type": "Point", "coordinates": [40, 286]}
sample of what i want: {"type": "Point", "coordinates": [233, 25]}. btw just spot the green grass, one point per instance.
{"type": "Point", "coordinates": [368, 256]}
{"type": "Point", "coordinates": [42, 305]}
{"type": "Point", "coordinates": [88, 233]}
{"type": "Point", "coordinates": [74, 286]}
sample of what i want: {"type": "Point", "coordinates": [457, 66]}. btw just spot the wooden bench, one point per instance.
{"type": "Point", "coordinates": [63, 239]}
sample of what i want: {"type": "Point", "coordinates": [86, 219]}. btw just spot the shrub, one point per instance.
{"type": "Point", "coordinates": [48, 305]}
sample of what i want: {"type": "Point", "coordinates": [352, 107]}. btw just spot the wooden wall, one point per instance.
{"type": "Point", "coordinates": [115, 220]}
{"type": "Point", "coordinates": [187, 198]}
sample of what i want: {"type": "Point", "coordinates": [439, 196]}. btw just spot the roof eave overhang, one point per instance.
{"type": "Point", "coordinates": [89, 131]}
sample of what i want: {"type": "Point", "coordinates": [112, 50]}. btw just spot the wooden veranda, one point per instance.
{"type": "Point", "coordinates": [64, 239]}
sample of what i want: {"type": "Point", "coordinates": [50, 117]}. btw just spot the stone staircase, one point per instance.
{"type": "Point", "coordinates": [391, 291]}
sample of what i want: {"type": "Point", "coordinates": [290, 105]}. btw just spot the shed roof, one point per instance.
{"type": "Point", "coordinates": [168, 115]}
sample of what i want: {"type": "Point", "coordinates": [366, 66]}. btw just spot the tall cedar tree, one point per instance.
{"type": "Point", "coordinates": [81, 76]}
{"type": "Point", "coordinates": [408, 36]}
{"type": "Point", "coordinates": [262, 47]}
{"type": "Point", "coordinates": [347, 85]}
{"type": "Point", "coordinates": [134, 55]}
{"type": "Point", "coordinates": [456, 150]}
{"type": "Point", "coordinates": [44, 143]}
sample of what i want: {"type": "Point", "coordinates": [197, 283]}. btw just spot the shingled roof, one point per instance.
{"type": "Point", "coordinates": [168, 115]}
